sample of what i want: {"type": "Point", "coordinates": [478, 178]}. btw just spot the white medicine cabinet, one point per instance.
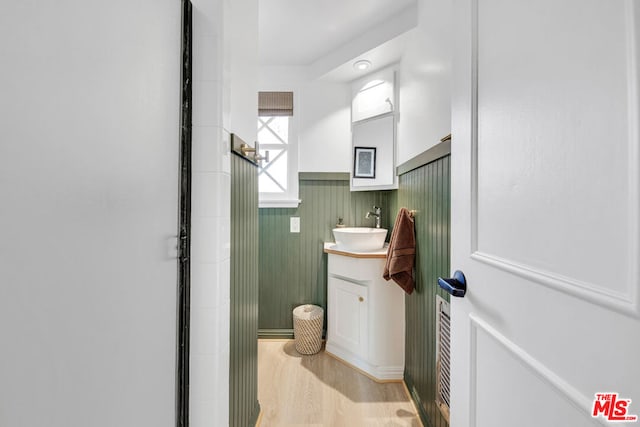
{"type": "Point", "coordinates": [373, 132]}
{"type": "Point", "coordinates": [373, 149]}
{"type": "Point", "coordinates": [373, 95]}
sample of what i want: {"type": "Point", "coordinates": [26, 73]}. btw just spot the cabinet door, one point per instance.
{"type": "Point", "coordinates": [348, 315]}
{"type": "Point", "coordinates": [378, 134]}
{"type": "Point", "coordinates": [373, 95]}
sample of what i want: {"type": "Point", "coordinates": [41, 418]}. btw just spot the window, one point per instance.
{"type": "Point", "coordinates": [273, 136]}
{"type": "Point", "coordinates": [277, 178]}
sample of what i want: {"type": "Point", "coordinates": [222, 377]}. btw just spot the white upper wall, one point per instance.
{"type": "Point", "coordinates": [323, 117]}
{"type": "Point", "coordinates": [323, 102]}
{"type": "Point", "coordinates": [425, 81]}
{"type": "Point", "coordinates": [240, 98]}
{"type": "Point", "coordinates": [325, 134]}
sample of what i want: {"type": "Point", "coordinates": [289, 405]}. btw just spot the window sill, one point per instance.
{"type": "Point", "coordinates": [279, 203]}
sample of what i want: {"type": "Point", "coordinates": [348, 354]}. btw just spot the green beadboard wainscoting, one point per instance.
{"type": "Point", "coordinates": [426, 189]}
{"type": "Point", "coordinates": [293, 266]}
{"type": "Point", "coordinates": [243, 373]}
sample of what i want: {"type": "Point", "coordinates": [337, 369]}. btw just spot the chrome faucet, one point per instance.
{"type": "Point", "coordinates": [376, 213]}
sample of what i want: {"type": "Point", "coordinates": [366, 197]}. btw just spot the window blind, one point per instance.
{"type": "Point", "coordinates": [275, 104]}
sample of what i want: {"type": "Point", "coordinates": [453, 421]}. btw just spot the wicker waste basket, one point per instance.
{"type": "Point", "coordinates": [307, 328]}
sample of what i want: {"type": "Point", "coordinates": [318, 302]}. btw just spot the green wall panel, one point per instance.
{"type": "Point", "coordinates": [243, 374]}
{"type": "Point", "coordinates": [293, 268]}
{"type": "Point", "coordinates": [426, 189]}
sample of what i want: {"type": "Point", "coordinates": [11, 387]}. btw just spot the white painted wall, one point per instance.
{"type": "Point", "coordinates": [323, 107]}
{"type": "Point", "coordinates": [90, 113]}
{"type": "Point", "coordinates": [241, 68]}
{"type": "Point", "coordinates": [323, 114]}
{"type": "Point", "coordinates": [325, 135]}
{"type": "Point", "coordinates": [425, 81]}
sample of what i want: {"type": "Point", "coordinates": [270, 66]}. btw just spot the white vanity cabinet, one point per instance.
{"type": "Point", "coordinates": [365, 314]}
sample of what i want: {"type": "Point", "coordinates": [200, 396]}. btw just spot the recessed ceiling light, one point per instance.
{"type": "Point", "coordinates": [362, 64]}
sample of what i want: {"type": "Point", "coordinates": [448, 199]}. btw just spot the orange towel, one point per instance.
{"type": "Point", "coordinates": [401, 254]}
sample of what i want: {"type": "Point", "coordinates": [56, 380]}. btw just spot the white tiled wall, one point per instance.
{"type": "Point", "coordinates": [210, 257]}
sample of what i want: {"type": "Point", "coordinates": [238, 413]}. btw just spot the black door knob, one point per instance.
{"type": "Point", "coordinates": [456, 285]}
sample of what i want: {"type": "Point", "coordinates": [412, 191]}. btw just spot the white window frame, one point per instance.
{"type": "Point", "coordinates": [288, 199]}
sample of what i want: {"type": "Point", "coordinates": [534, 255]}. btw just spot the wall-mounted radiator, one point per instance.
{"type": "Point", "coordinates": [443, 355]}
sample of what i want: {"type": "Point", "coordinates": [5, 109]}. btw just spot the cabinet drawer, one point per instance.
{"type": "Point", "coordinates": [359, 269]}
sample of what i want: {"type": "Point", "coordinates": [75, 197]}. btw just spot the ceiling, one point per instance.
{"type": "Point", "coordinates": [308, 33]}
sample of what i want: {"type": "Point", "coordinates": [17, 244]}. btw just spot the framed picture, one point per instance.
{"type": "Point", "coordinates": [364, 162]}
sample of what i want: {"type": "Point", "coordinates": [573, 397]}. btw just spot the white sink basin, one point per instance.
{"type": "Point", "coordinates": [359, 239]}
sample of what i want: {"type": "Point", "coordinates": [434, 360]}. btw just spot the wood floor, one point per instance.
{"type": "Point", "coordinates": [319, 390]}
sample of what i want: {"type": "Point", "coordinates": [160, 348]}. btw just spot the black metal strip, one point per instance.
{"type": "Point", "coordinates": [184, 245]}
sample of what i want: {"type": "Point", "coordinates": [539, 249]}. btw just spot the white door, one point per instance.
{"type": "Point", "coordinates": [545, 217]}
{"type": "Point", "coordinates": [89, 184]}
